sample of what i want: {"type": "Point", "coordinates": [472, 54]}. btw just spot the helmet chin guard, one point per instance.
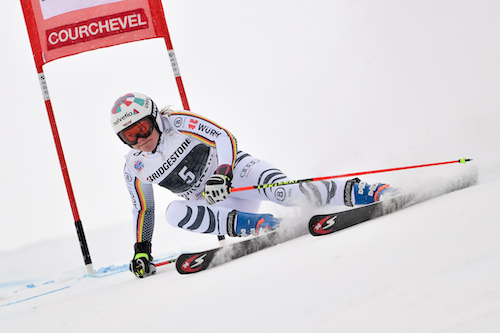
{"type": "Point", "coordinates": [131, 108]}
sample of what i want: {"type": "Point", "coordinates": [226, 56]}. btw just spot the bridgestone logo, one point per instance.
{"type": "Point", "coordinates": [171, 160]}
{"type": "Point", "coordinates": [100, 27]}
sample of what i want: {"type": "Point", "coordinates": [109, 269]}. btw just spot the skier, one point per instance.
{"type": "Point", "coordinates": [198, 160]}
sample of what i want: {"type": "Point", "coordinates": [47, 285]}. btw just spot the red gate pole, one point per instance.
{"type": "Point", "coordinates": [37, 55]}
{"type": "Point", "coordinates": [161, 27]}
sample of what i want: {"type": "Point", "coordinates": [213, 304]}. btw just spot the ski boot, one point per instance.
{"type": "Point", "coordinates": [240, 224]}
{"type": "Point", "coordinates": [362, 193]}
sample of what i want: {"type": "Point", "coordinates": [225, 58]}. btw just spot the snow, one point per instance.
{"type": "Point", "coordinates": [430, 268]}
{"type": "Point", "coordinates": [318, 88]}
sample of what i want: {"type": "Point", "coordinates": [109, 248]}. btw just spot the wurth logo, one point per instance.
{"type": "Point", "coordinates": [192, 124]}
{"type": "Point", "coordinates": [96, 28]}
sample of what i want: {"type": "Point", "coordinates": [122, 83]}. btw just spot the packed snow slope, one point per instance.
{"type": "Point", "coordinates": [318, 88]}
{"type": "Point", "coordinates": [433, 267]}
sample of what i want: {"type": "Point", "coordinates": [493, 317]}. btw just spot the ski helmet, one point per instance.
{"type": "Point", "coordinates": [132, 108]}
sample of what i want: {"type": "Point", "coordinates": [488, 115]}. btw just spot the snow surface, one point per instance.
{"type": "Point", "coordinates": [318, 88]}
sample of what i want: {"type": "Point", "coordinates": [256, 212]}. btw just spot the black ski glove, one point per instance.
{"type": "Point", "coordinates": [142, 264]}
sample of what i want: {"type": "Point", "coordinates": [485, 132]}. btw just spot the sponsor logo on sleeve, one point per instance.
{"type": "Point", "coordinates": [138, 165]}
{"type": "Point", "coordinates": [192, 124]}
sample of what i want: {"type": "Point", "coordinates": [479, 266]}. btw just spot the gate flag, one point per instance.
{"type": "Point", "coordinates": [60, 28]}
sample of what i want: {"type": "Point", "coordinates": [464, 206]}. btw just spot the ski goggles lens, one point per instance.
{"type": "Point", "coordinates": [142, 129]}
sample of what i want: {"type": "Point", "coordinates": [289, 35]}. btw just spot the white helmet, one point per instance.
{"type": "Point", "coordinates": [132, 108]}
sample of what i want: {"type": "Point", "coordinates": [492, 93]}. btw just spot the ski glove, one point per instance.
{"type": "Point", "coordinates": [142, 264]}
{"type": "Point", "coordinates": [218, 186]}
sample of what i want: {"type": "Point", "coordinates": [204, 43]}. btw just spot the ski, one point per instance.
{"type": "Point", "coordinates": [194, 262]}
{"type": "Point", "coordinates": [325, 224]}
{"type": "Point", "coordinates": [189, 263]}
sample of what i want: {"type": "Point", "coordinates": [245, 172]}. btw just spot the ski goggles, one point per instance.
{"type": "Point", "coordinates": [141, 129]}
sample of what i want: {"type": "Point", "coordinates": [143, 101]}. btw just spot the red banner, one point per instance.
{"type": "Point", "coordinates": [60, 28]}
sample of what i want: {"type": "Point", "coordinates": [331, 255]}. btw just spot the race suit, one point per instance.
{"type": "Point", "coordinates": [189, 151]}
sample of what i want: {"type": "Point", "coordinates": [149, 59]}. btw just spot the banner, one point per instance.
{"type": "Point", "coordinates": [60, 28]}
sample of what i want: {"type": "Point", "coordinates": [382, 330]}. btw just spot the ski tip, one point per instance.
{"type": "Point", "coordinates": [463, 160]}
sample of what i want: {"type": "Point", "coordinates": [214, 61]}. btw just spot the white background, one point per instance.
{"type": "Point", "coordinates": [318, 88]}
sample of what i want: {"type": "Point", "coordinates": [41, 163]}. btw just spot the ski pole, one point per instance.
{"type": "Point", "coordinates": [165, 262]}
{"type": "Point", "coordinates": [255, 187]}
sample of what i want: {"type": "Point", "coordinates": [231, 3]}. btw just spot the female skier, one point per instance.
{"type": "Point", "coordinates": [198, 160]}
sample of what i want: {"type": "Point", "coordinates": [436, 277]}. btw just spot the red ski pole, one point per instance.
{"type": "Point", "coordinates": [246, 188]}
{"type": "Point", "coordinates": [165, 262]}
